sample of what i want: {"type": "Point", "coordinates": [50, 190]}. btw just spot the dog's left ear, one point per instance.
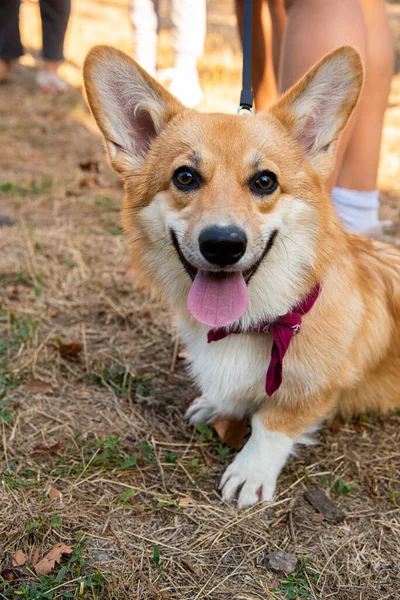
{"type": "Point", "coordinates": [129, 106]}
{"type": "Point", "coordinates": [317, 108]}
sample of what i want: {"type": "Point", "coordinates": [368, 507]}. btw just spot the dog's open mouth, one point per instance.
{"type": "Point", "coordinates": [218, 299]}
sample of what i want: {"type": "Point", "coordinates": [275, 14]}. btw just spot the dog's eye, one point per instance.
{"type": "Point", "coordinates": [185, 179]}
{"type": "Point", "coordinates": [264, 183]}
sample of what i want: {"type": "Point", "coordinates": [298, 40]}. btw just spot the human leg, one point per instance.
{"type": "Point", "coordinates": [10, 40]}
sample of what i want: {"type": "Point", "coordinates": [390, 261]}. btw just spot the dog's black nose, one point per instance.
{"type": "Point", "coordinates": [222, 245]}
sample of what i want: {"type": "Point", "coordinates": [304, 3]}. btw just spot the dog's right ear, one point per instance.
{"type": "Point", "coordinates": [130, 107]}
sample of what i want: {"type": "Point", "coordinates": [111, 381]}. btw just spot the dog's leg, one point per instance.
{"type": "Point", "coordinates": [253, 474]}
{"type": "Point", "coordinates": [256, 468]}
{"type": "Point", "coordinates": [202, 410]}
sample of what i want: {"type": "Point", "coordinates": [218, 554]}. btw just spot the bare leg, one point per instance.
{"type": "Point", "coordinates": [278, 22]}
{"type": "Point", "coordinates": [328, 25]}
{"type": "Point", "coordinates": [359, 166]}
{"type": "Point", "coordinates": [266, 49]}
{"type": "Point", "coordinates": [10, 41]}
{"type": "Point", "coordinates": [55, 16]}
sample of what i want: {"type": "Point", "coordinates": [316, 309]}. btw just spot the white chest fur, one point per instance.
{"type": "Point", "coordinates": [230, 372]}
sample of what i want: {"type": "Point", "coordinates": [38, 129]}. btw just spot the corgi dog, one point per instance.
{"type": "Point", "coordinates": [287, 318]}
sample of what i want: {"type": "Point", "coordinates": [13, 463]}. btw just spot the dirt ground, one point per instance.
{"type": "Point", "coordinates": [95, 451]}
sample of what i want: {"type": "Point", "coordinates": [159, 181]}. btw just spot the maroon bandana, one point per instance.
{"type": "Point", "coordinates": [282, 331]}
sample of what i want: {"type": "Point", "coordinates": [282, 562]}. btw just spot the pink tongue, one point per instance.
{"type": "Point", "coordinates": [218, 300]}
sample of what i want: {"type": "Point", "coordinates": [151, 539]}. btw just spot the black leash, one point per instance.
{"type": "Point", "coordinates": [246, 95]}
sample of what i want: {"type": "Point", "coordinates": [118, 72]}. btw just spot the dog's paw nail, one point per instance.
{"type": "Point", "coordinates": [231, 487]}
{"type": "Point", "coordinates": [201, 411]}
{"type": "Point", "coordinates": [249, 487]}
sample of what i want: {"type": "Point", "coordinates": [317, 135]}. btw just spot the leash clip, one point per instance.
{"type": "Point", "coordinates": [245, 111]}
{"type": "Point", "coordinates": [246, 102]}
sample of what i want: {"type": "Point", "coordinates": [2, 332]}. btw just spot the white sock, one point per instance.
{"type": "Point", "coordinates": [358, 210]}
{"type": "Point", "coordinates": [186, 63]}
{"type": "Point", "coordinates": [185, 84]}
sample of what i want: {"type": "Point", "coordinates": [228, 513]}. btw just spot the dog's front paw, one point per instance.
{"type": "Point", "coordinates": [201, 410]}
{"type": "Point", "coordinates": [250, 484]}
{"type": "Point", "coordinates": [253, 474]}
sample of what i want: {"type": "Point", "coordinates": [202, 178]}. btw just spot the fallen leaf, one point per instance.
{"type": "Point", "coordinates": [279, 523]}
{"type": "Point", "coordinates": [281, 562]}
{"type": "Point", "coordinates": [336, 425]}
{"type": "Point", "coordinates": [73, 192]}
{"type": "Point", "coordinates": [44, 566]}
{"type": "Point", "coordinates": [184, 502]}
{"type": "Point", "coordinates": [71, 349]}
{"type": "Point", "coordinates": [13, 291]}
{"type": "Point", "coordinates": [35, 556]}
{"type": "Point", "coordinates": [53, 493]}
{"type": "Point", "coordinates": [208, 459]}
{"type": "Point", "coordinates": [359, 427]}
{"type": "Point", "coordinates": [8, 575]}
{"type": "Point", "coordinates": [19, 559]}
{"type": "Point", "coordinates": [318, 518]}
{"type": "Point", "coordinates": [91, 165]}
{"type": "Point", "coordinates": [232, 432]}
{"type": "Point", "coordinates": [90, 181]}
{"type": "Point", "coordinates": [320, 501]}
{"type": "Point", "coordinates": [37, 386]}
{"type": "Point", "coordinates": [54, 449]}
{"type": "Point", "coordinates": [189, 566]}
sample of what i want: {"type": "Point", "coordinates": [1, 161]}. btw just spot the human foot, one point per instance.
{"type": "Point", "coordinates": [49, 80]}
{"type": "Point", "coordinates": [186, 87]}
{"type": "Point", "coordinates": [6, 71]}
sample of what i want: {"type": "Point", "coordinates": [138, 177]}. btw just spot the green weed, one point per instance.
{"type": "Point", "coordinates": [224, 451]}
{"type": "Point", "coordinates": [127, 495]}
{"type": "Point", "coordinates": [33, 526]}
{"type": "Point", "coordinates": [170, 457]}
{"type": "Point", "coordinates": [56, 521]}
{"type": "Point", "coordinates": [129, 462]}
{"type": "Point", "coordinates": [6, 412]}
{"type": "Point", "coordinates": [108, 202]}
{"type": "Point", "coordinates": [110, 453]}
{"type": "Point", "coordinates": [341, 488]}
{"type": "Point", "coordinates": [109, 224]}
{"type": "Point", "coordinates": [157, 557]}
{"type": "Point", "coordinates": [297, 585]}
{"type": "Point", "coordinates": [140, 388]}
{"type": "Point", "coordinates": [34, 187]}
{"type": "Point", "coordinates": [204, 433]}
{"type": "Point", "coordinates": [163, 502]}
{"type": "Point", "coordinates": [147, 452]}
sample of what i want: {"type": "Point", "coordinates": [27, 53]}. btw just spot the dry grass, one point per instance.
{"type": "Point", "coordinates": [63, 277]}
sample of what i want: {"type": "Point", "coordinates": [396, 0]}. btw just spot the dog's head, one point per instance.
{"type": "Point", "coordinates": [226, 213]}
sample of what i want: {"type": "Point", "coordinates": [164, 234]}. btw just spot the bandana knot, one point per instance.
{"type": "Point", "coordinates": [283, 329]}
